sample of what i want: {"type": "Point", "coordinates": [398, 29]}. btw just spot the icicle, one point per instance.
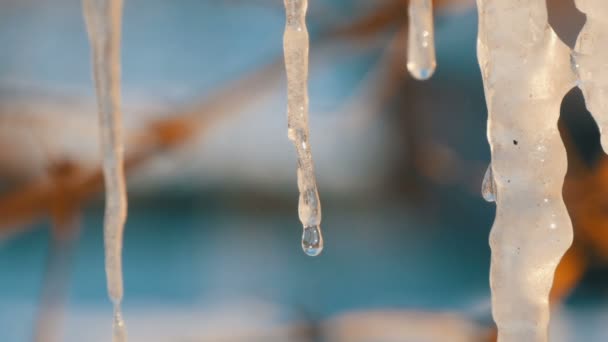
{"type": "Point", "coordinates": [103, 20]}
{"type": "Point", "coordinates": [295, 44]}
{"type": "Point", "coordinates": [526, 73]}
{"type": "Point", "coordinates": [421, 61]}
{"type": "Point", "coordinates": [488, 187]}
{"type": "Point", "coordinates": [589, 58]}
{"type": "Point", "coordinates": [119, 333]}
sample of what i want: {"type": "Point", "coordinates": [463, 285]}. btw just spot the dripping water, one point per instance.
{"type": "Point", "coordinates": [488, 186]}
{"type": "Point", "coordinates": [296, 45]}
{"type": "Point", "coordinates": [312, 240]}
{"type": "Point", "coordinates": [103, 21]}
{"type": "Point", "coordinates": [421, 62]}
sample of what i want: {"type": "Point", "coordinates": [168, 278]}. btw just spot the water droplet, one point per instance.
{"type": "Point", "coordinates": [419, 73]}
{"type": "Point", "coordinates": [421, 61]}
{"type": "Point", "coordinates": [488, 186]}
{"type": "Point", "coordinates": [312, 240]}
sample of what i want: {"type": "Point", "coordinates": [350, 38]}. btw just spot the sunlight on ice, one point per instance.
{"type": "Point", "coordinates": [526, 73]}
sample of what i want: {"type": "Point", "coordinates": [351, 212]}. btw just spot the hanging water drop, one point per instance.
{"type": "Point", "coordinates": [103, 21]}
{"type": "Point", "coordinates": [488, 187]}
{"type": "Point", "coordinates": [296, 45]}
{"type": "Point", "coordinates": [312, 240]}
{"type": "Point", "coordinates": [421, 62]}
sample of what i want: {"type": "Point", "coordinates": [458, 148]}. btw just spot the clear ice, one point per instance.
{"type": "Point", "coordinates": [312, 240]}
{"type": "Point", "coordinates": [421, 62]}
{"type": "Point", "coordinates": [526, 73]}
{"type": "Point", "coordinates": [103, 21]}
{"type": "Point", "coordinates": [589, 58]}
{"type": "Point", "coordinates": [296, 45]}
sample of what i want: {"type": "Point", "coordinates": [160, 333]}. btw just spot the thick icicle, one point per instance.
{"type": "Point", "coordinates": [295, 44]}
{"type": "Point", "coordinates": [488, 187]}
{"type": "Point", "coordinates": [103, 20]}
{"type": "Point", "coordinates": [421, 61]}
{"type": "Point", "coordinates": [590, 64]}
{"type": "Point", "coordinates": [526, 73]}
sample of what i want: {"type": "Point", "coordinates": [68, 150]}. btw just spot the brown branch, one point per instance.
{"type": "Point", "coordinates": [70, 184]}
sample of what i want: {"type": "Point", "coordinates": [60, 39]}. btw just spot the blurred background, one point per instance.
{"type": "Point", "coordinates": [212, 243]}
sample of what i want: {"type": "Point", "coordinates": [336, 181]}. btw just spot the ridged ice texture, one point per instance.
{"type": "Point", "coordinates": [421, 62]}
{"type": "Point", "coordinates": [590, 60]}
{"type": "Point", "coordinates": [526, 73]}
{"type": "Point", "coordinates": [296, 45]}
{"type": "Point", "coordinates": [103, 21]}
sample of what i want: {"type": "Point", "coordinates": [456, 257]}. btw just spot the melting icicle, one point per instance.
{"type": "Point", "coordinates": [119, 331]}
{"type": "Point", "coordinates": [295, 45]}
{"type": "Point", "coordinates": [421, 61]}
{"type": "Point", "coordinates": [589, 58]}
{"type": "Point", "coordinates": [488, 187]}
{"type": "Point", "coordinates": [103, 21]}
{"type": "Point", "coordinates": [525, 69]}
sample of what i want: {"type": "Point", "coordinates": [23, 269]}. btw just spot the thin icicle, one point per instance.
{"type": "Point", "coordinates": [488, 187]}
{"type": "Point", "coordinates": [295, 44]}
{"type": "Point", "coordinates": [103, 20]}
{"type": "Point", "coordinates": [119, 331]}
{"type": "Point", "coordinates": [525, 69]}
{"type": "Point", "coordinates": [421, 62]}
{"type": "Point", "coordinates": [589, 58]}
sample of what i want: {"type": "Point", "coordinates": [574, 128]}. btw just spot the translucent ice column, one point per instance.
{"type": "Point", "coordinates": [526, 73]}
{"type": "Point", "coordinates": [295, 45]}
{"type": "Point", "coordinates": [103, 21]}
